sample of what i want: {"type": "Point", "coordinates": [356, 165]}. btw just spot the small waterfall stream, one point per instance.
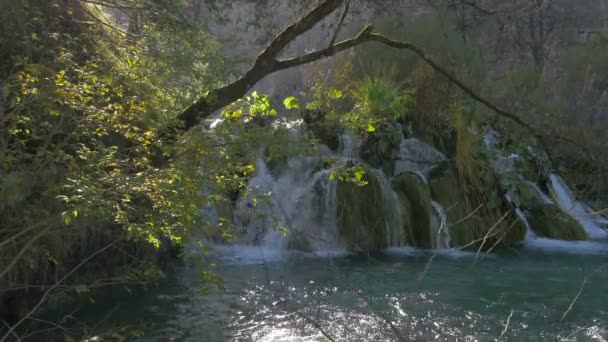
{"type": "Point", "coordinates": [567, 201]}
{"type": "Point", "coordinates": [440, 235]}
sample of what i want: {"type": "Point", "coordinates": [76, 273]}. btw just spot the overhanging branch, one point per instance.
{"type": "Point", "coordinates": [268, 63]}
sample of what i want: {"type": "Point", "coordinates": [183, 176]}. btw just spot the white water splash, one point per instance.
{"type": "Point", "coordinates": [301, 200]}
{"type": "Point", "coordinates": [568, 203]}
{"type": "Point", "coordinates": [530, 234]}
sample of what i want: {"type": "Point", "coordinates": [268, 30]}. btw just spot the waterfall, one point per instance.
{"type": "Point", "coordinates": [393, 212]}
{"type": "Point", "coordinates": [301, 202]}
{"type": "Point", "coordinates": [542, 194]}
{"type": "Point", "coordinates": [568, 203]}
{"type": "Point", "coordinates": [349, 146]}
{"type": "Point", "coordinates": [440, 235]}
{"type": "Point", "coordinates": [530, 234]}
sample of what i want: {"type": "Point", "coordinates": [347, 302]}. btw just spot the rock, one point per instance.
{"type": "Point", "coordinates": [415, 197]}
{"type": "Point", "coordinates": [417, 156]}
{"type": "Point", "coordinates": [549, 221]}
{"type": "Point", "coordinates": [546, 218]}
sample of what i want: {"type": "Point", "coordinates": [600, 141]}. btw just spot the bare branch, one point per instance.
{"type": "Point", "coordinates": [340, 22]}
{"type": "Point", "coordinates": [575, 299]}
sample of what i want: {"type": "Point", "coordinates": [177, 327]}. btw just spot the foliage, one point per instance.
{"type": "Point", "coordinates": [84, 158]}
{"type": "Point", "coordinates": [376, 102]}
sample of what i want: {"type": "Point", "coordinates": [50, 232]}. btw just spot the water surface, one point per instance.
{"type": "Point", "coordinates": [523, 294]}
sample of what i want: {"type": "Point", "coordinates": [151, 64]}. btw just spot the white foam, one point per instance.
{"type": "Point", "coordinates": [573, 247]}
{"type": "Point", "coordinates": [453, 253]}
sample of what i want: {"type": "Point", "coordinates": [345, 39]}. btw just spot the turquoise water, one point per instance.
{"type": "Point", "coordinates": [398, 295]}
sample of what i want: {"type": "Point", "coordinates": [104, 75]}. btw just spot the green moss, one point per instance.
{"type": "Point", "coordinates": [549, 221]}
{"type": "Point", "coordinates": [361, 216]}
{"type": "Point", "coordinates": [446, 190]}
{"type": "Point", "coordinates": [415, 197]}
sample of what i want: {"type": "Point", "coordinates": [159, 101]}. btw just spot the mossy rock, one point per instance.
{"type": "Point", "coordinates": [547, 220]}
{"type": "Point", "coordinates": [361, 214]}
{"type": "Point", "coordinates": [415, 197]}
{"type": "Point", "coordinates": [481, 225]}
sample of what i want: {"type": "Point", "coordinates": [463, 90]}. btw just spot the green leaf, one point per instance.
{"type": "Point", "coordinates": [332, 175]}
{"type": "Point", "coordinates": [371, 128]}
{"type": "Point", "coordinates": [291, 103]}
{"type": "Point", "coordinates": [335, 94]}
{"type": "Point", "coordinates": [359, 174]}
{"type": "Point", "coordinates": [312, 105]}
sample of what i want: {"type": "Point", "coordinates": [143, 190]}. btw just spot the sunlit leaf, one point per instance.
{"type": "Point", "coordinates": [291, 103]}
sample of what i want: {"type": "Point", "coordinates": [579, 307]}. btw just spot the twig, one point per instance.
{"type": "Point", "coordinates": [468, 216]}
{"type": "Point", "coordinates": [574, 300]}
{"type": "Point", "coordinates": [504, 331]}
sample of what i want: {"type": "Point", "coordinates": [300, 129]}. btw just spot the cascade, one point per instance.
{"type": "Point", "coordinates": [568, 203]}
{"type": "Point", "coordinates": [300, 204]}
{"type": "Point", "coordinates": [440, 235]}
{"type": "Point", "coordinates": [530, 234]}
{"type": "Point", "coordinates": [393, 212]}
{"type": "Point", "coordinates": [542, 194]}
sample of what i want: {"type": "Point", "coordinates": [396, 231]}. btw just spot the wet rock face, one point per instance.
{"type": "Point", "coordinates": [361, 215]}
{"type": "Point", "coordinates": [415, 197]}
